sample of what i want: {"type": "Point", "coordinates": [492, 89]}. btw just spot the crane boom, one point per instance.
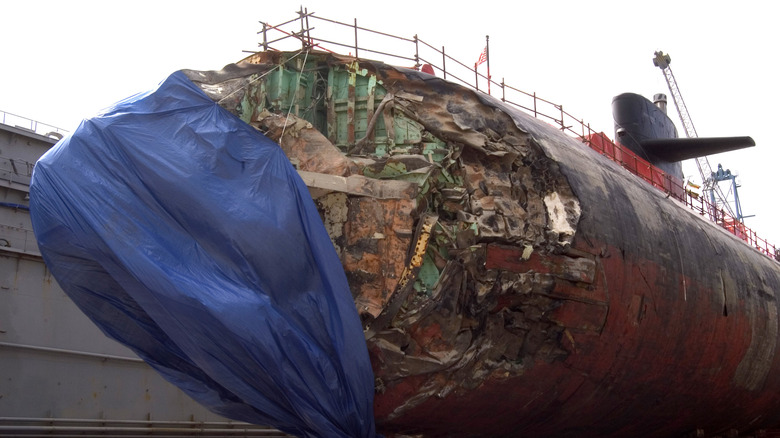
{"type": "Point", "coordinates": [709, 184]}
{"type": "Point", "coordinates": [662, 61]}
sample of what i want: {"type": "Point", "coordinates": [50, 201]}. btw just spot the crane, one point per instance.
{"type": "Point", "coordinates": [709, 182]}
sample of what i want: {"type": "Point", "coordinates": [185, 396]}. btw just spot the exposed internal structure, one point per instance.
{"type": "Point", "coordinates": [453, 227]}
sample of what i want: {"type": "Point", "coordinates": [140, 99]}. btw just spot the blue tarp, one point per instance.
{"type": "Point", "coordinates": [188, 236]}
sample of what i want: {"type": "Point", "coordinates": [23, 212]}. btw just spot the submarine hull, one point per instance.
{"type": "Point", "coordinates": [509, 280]}
{"type": "Point", "coordinates": [629, 315]}
{"type": "Point", "coordinates": [677, 332]}
{"type": "Point", "coordinates": [585, 303]}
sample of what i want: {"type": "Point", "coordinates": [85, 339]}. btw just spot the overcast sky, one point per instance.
{"type": "Point", "coordinates": [63, 61]}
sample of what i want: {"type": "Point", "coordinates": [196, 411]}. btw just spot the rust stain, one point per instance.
{"type": "Point", "coordinates": [467, 278]}
{"type": "Point", "coordinates": [483, 288]}
{"type": "Point", "coordinates": [508, 289]}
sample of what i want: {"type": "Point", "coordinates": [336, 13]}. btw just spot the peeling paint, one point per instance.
{"type": "Point", "coordinates": [478, 246]}
{"type": "Point", "coordinates": [334, 212]}
{"type": "Point", "coordinates": [561, 215]}
{"type": "Point", "coordinates": [454, 278]}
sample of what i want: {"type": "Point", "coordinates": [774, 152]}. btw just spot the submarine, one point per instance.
{"type": "Point", "coordinates": [507, 279]}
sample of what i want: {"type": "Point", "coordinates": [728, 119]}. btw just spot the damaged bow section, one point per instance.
{"type": "Point", "coordinates": [453, 226]}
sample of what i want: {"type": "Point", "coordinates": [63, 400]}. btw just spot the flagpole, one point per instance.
{"type": "Point", "coordinates": [487, 56]}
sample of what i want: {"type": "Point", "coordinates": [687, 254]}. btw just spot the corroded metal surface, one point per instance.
{"type": "Point", "coordinates": [511, 281]}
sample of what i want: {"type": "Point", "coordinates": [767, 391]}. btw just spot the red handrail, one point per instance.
{"type": "Point", "coordinates": [674, 187]}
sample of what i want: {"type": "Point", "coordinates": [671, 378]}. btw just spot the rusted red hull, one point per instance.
{"type": "Point", "coordinates": [513, 282]}
{"type": "Point", "coordinates": [667, 360]}
{"type": "Point", "coordinates": [677, 332]}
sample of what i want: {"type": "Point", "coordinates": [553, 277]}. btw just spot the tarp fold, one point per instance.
{"type": "Point", "coordinates": [188, 236]}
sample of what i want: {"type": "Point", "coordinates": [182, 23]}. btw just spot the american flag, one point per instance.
{"type": "Point", "coordinates": [482, 56]}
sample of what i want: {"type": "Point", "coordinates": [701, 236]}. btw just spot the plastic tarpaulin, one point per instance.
{"type": "Point", "coordinates": [188, 236]}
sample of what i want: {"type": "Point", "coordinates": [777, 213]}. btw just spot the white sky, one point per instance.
{"type": "Point", "coordinates": [65, 60]}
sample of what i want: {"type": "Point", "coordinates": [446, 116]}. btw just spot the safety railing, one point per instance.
{"type": "Point", "coordinates": [297, 34]}
{"type": "Point", "coordinates": [636, 165]}
{"type": "Point", "coordinates": [675, 188]}
{"type": "Point", "coordinates": [385, 47]}
{"type": "Point", "coordinates": [31, 125]}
